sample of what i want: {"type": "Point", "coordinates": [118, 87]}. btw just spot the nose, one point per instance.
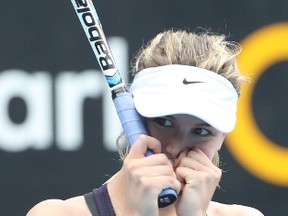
{"type": "Point", "coordinates": [175, 147]}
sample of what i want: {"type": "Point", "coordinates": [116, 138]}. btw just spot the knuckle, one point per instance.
{"type": "Point", "coordinates": [130, 165]}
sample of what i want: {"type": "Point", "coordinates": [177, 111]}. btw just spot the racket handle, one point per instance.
{"type": "Point", "coordinates": [133, 126]}
{"type": "Point", "coordinates": [130, 119]}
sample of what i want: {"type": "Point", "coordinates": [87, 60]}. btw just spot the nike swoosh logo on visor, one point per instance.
{"type": "Point", "coordinates": [186, 82]}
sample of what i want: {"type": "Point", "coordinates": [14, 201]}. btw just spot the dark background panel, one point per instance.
{"type": "Point", "coordinates": [46, 36]}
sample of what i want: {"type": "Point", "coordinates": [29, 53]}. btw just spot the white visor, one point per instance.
{"type": "Point", "coordinates": [182, 89]}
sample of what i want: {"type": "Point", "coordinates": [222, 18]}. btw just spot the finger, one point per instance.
{"type": "Point", "coordinates": [160, 183]}
{"type": "Point", "coordinates": [142, 144]}
{"type": "Point", "coordinates": [157, 159]}
{"type": "Point", "coordinates": [184, 174]}
{"type": "Point", "coordinates": [198, 155]}
{"type": "Point", "coordinates": [177, 161]}
{"type": "Point", "coordinates": [152, 171]}
{"type": "Point", "coordinates": [154, 165]}
{"type": "Point", "coordinates": [194, 164]}
{"type": "Point", "coordinates": [194, 177]}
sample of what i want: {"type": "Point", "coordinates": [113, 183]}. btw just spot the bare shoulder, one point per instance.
{"type": "Point", "coordinates": [220, 209]}
{"type": "Point", "coordinates": [56, 207]}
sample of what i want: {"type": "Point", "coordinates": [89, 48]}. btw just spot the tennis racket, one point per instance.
{"type": "Point", "coordinates": [130, 120]}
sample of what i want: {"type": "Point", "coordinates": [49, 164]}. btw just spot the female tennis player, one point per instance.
{"type": "Point", "coordinates": [186, 86]}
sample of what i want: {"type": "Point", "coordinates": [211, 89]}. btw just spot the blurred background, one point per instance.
{"type": "Point", "coordinates": [58, 126]}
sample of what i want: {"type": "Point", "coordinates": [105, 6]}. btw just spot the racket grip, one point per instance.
{"type": "Point", "coordinates": [130, 119]}
{"type": "Point", "coordinates": [133, 126]}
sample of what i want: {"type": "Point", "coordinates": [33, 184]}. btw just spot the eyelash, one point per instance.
{"type": "Point", "coordinates": [161, 121]}
{"type": "Point", "coordinates": [196, 131]}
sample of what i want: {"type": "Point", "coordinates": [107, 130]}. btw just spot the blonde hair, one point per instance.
{"type": "Point", "coordinates": [203, 49]}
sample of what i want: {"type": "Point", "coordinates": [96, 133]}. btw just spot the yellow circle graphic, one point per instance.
{"type": "Point", "coordinates": [254, 151]}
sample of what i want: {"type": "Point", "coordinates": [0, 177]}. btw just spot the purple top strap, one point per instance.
{"type": "Point", "coordinates": [103, 201]}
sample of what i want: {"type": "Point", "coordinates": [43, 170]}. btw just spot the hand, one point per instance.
{"type": "Point", "coordinates": [143, 178]}
{"type": "Point", "coordinates": [199, 178]}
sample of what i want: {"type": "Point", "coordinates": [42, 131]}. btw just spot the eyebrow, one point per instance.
{"type": "Point", "coordinates": [204, 125]}
{"type": "Point", "coordinates": [201, 124]}
{"type": "Point", "coordinates": [169, 116]}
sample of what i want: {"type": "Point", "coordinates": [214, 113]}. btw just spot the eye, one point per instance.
{"type": "Point", "coordinates": [201, 131]}
{"type": "Point", "coordinates": [163, 122]}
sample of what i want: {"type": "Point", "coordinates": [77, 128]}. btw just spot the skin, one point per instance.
{"type": "Point", "coordinates": [184, 147]}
